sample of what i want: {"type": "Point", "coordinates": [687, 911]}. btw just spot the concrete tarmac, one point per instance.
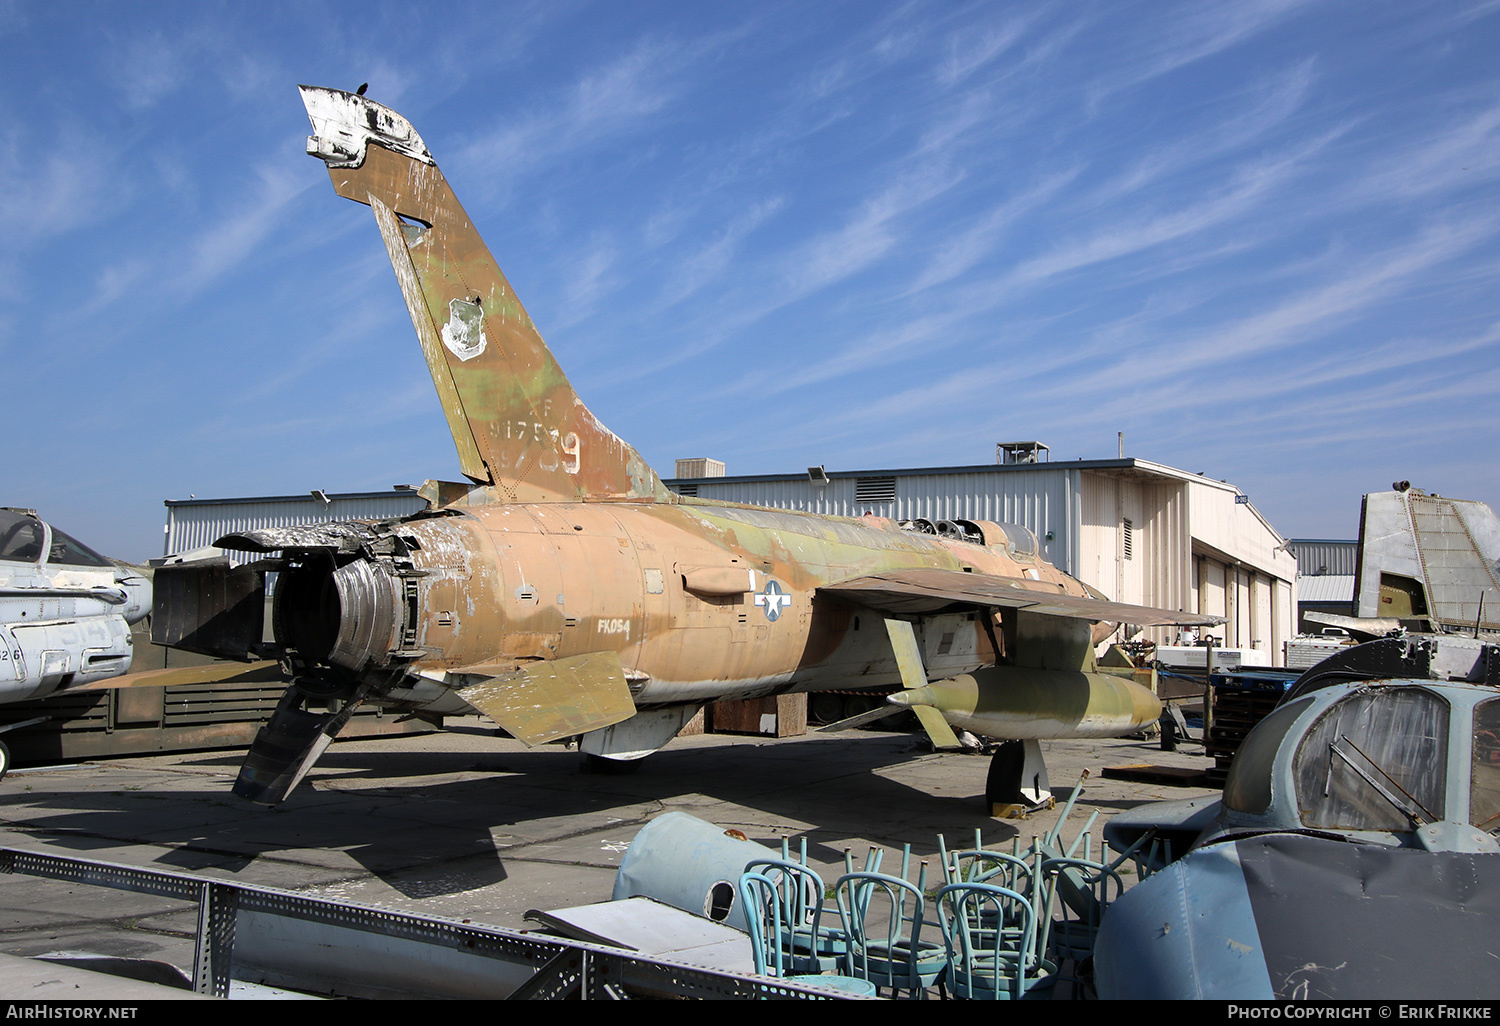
{"type": "Point", "coordinates": [466, 825]}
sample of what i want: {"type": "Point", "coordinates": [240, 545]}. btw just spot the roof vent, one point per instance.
{"type": "Point", "coordinates": [875, 489]}
{"type": "Point", "coordinates": [1022, 452]}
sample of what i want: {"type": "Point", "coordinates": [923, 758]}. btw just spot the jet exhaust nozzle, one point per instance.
{"type": "Point", "coordinates": [348, 615]}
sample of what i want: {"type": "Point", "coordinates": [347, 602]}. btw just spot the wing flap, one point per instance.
{"type": "Point", "coordinates": [929, 590]}
{"type": "Point", "coordinates": [543, 701]}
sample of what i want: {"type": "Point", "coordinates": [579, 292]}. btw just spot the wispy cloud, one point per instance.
{"type": "Point", "coordinates": [1229, 229]}
{"type": "Point", "coordinates": [1367, 284]}
{"type": "Point", "coordinates": [1248, 185]}
{"type": "Point", "coordinates": [971, 245]}
{"type": "Point", "coordinates": [1463, 153]}
{"type": "Point", "coordinates": [147, 69]}
{"type": "Point", "coordinates": [712, 259]}
{"type": "Point", "coordinates": [49, 186]}
{"type": "Point", "coordinates": [603, 104]}
{"type": "Point", "coordinates": [1159, 48]}
{"type": "Point", "coordinates": [1348, 295]}
{"type": "Point", "coordinates": [592, 276]}
{"type": "Point", "coordinates": [224, 245]}
{"type": "Point", "coordinates": [968, 52]}
{"type": "Point", "coordinates": [1265, 107]}
{"type": "Point", "coordinates": [869, 234]}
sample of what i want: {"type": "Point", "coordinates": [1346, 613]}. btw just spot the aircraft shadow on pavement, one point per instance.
{"type": "Point", "coordinates": [428, 837]}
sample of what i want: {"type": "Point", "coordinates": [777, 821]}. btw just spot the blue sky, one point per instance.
{"type": "Point", "coordinates": [1261, 239]}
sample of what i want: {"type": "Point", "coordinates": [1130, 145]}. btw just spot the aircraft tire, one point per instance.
{"type": "Point", "coordinates": [609, 767]}
{"type": "Point", "coordinates": [4, 760]}
{"type": "Point", "coordinates": [825, 708]}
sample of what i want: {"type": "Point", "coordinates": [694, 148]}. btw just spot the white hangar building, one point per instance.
{"type": "Point", "coordinates": [1138, 531]}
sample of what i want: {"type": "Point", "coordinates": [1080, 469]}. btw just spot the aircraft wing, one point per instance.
{"type": "Point", "coordinates": [928, 590]}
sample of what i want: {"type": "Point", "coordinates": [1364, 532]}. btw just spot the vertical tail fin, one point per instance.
{"type": "Point", "coordinates": [519, 427]}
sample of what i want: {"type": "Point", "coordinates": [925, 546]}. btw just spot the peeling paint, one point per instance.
{"type": "Point", "coordinates": [464, 333]}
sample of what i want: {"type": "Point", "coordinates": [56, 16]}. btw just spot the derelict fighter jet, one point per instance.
{"type": "Point", "coordinates": [565, 592]}
{"type": "Point", "coordinates": [65, 612]}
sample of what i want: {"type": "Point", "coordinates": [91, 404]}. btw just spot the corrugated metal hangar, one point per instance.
{"type": "Point", "coordinates": [1326, 570]}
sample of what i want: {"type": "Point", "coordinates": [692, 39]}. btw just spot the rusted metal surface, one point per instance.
{"type": "Point", "coordinates": [555, 698]}
{"type": "Point", "coordinates": [195, 523]}
{"type": "Point", "coordinates": [516, 421]}
{"type": "Point", "coordinates": [566, 591]}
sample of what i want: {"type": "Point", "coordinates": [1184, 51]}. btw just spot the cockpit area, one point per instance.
{"type": "Point", "coordinates": [1385, 759]}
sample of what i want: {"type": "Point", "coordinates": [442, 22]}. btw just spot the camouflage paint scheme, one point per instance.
{"type": "Point", "coordinates": [565, 592]}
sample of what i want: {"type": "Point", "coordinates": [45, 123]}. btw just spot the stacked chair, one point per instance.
{"type": "Point", "coordinates": [883, 917]}
{"type": "Point", "coordinates": [1079, 891]}
{"type": "Point", "coordinates": [1011, 924]}
{"type": "Point", "coordinates": [802, 941]}
{"type": "Point", "coordinates": [789, 937]}
{"type": "Point", "coordinates": [987, 911]}
{"type": "Point", "coordinates": [990, 935]}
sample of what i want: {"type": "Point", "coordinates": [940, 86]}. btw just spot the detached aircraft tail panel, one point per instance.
{"type": "Point", "coordinates": [516, 421]}
{"type": "Point", "coordinates": [1429, 557]}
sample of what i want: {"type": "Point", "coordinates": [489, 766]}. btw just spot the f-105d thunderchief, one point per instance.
{"type": "Point", "coordinates": [566, 593]}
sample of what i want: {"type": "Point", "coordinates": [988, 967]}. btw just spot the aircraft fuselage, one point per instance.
{"type": "Point", "coordinates": [699, 601]}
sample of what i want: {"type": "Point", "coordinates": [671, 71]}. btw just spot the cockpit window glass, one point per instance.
{"type": "Point", "coordinates": [1248, 786]}
{"type": "Point", "coordinates": [20, 537]}
{"type": "Point", "coordinates": [71, 552]}
{"type": "Point", "coordinates": [1484, 789]}
{"type": "Point", "coordinates": [1378, 760]}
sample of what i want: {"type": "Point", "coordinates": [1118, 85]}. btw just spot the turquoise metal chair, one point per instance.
{"type": "Point", "coordinates": [1149, 853]}
{"type": "Point", "coordinates": [987, 963]}
{"type": "Point", "coordinates": [883, 918]}
{"type": "Point", "coordinates": [1078, 892]}
{"type": "Point", "coordinates": [767, 915]}
{"type": "Point", "coordinates": [807, 944]}
{"type": "Point", "coordinates": [995, 868]}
